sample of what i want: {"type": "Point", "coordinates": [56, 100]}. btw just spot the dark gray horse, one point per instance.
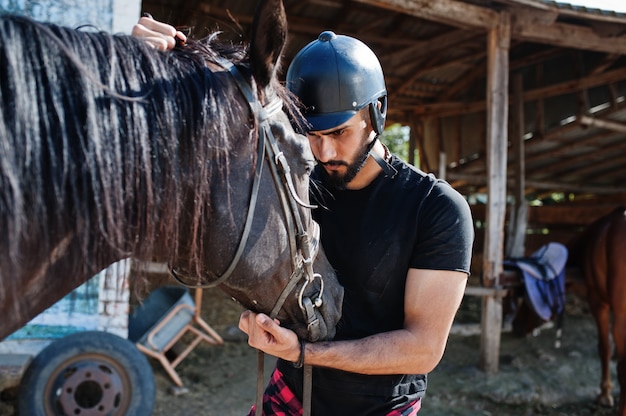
{"type": "Point", "coordinates": [110, 149]}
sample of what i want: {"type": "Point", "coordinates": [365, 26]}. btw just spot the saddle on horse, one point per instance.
{"type": "Point", "coordinates": [543, 275]}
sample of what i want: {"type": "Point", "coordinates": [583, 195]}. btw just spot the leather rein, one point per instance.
{"type": "Point", "coordinates": [303, 249]}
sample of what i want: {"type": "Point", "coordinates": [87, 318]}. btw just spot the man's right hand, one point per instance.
{"type": "Point", "coordinates": [158, 35]}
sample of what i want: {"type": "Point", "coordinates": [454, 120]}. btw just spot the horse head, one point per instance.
{"type": "Point", "coordinates": [111, 149]}
{"type": "Point", "coordinates": [275, 263]}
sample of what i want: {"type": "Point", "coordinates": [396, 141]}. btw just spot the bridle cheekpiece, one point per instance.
{"type": "Point", "coordinates": [303, 249]}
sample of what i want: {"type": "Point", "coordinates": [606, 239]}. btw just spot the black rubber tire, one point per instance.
{"type": "Point", "coordinates": [88, 373]}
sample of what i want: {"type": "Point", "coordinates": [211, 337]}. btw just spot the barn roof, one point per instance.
{"type": "Point", "coordinates": [567, 65]}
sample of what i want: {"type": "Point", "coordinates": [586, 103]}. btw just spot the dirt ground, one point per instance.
{"type": "Point", "coordinates": [534, 378]}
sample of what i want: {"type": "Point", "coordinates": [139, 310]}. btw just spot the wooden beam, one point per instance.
{"type": "Point", "coordinates": [597, 162]}
{"type": "Point", "coordinates": [601, 154]}
{"type": "Point", "coordinates": [449, 108]}
{"type": "Point", "coordinates": [325, 3]}
{"type": "Point", "coordinates": [498, 292]}
{"type": "Point", "coordinates": [414, 132]}
{"type": "Point", "coordinates": [576, 85]}
{"type": "Point", "coordinates": [469, 78]}
{"type": "Point", "coordinates": [529, 24]}
{"type": "Point", "coordinates": [530, 28]}
{"type": "Point", "coordinates": [499, 41]}
{"type": "Point", "coordinates": [479, 179]}
{"type": "Point", "coordinates": [225, 14]}
{"type": "Point", "coordinates": [446, 109]}
{"type": "Point", "coordinates": [418, 49]}
{"type": "Point", "coordinates": [530, 60]}
{"type": "Point", "coordinates": [450, 12]}
{"type": "Point", "coordinates": [566, 214]}
{"type": "Point", "coordinates": [536, 145]}
{"type": "Point", "coordinates": [602, 123]}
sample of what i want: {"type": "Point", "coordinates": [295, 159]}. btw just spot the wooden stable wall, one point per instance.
{"type": "Point", "coordinates": [560, 223]}
{"type": "Point", "coordinates": [557, 223]}
{"type": "Point", "coordinates": [447, 67]}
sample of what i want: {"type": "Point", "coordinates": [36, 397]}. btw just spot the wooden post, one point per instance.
{"type": "Point", "coordinates": [519, 214]}
{"type": "Point", "coordinates": [499, 40]}
{"type": "Point", "coordinates": [420, 131]}
{"type": "Point", "coordinates": [413, 140]}
{"type": "Point", "coordinates": [442, 165]}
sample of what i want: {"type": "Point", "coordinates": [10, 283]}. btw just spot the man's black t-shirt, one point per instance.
{"type": "Point", "coordinates": [372, 237]}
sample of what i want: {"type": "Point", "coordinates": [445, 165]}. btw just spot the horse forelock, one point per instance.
{"type": "Point", "coordinates": [101, 132]}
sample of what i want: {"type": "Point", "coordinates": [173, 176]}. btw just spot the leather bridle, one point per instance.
{"type": "Point", "coordinates": [303, 248]}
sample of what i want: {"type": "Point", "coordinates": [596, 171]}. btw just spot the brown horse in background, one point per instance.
{"type": "Point", "coordinates": [603, 263]}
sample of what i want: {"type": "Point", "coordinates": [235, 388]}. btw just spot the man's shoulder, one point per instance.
{"type": "Point", "coordinates": [411, 176]}
{"type": "Point", "coordinates": [433, 192]}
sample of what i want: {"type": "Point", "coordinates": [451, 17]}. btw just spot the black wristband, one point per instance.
{"type": "Point", "coordinates": [300, 362]}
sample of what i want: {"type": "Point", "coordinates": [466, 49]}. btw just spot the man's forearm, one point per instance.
{"type": "Point", "coordinates": [395, 352]}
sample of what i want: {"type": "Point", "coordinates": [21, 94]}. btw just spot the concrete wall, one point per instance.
{"type": "Point", "coordinates": [117, 16]}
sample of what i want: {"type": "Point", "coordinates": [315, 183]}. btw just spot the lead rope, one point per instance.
{"type": "Point", "coordinates": [307, 386]}
{"type": "Point", "coordinates": [260, 382]}
{"type": "Point", "coordinates": [307, 389]}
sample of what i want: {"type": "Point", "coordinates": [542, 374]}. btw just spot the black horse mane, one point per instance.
{"type": "Point", "coordinates": [96, 127]}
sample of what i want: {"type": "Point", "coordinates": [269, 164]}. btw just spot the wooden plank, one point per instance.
{"type": "Point", "coordinates": [485, 291]}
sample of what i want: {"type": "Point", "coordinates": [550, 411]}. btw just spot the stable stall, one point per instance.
{"type": "Point", "coordinates": [514, 102]}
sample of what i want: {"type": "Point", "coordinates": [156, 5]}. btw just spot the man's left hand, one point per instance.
{"type": "Point", "coordinates": [157, 34]}
{"type": "Point", "coordinates": [267, 335]}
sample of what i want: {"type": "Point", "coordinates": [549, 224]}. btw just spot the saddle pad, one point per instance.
{"type": "Point", "coordinates": [544, 279]}
{"type": "Point", "coordinates": [546, 263]}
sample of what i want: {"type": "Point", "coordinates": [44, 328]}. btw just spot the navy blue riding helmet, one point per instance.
{"type": "Point", "coordinates": [334, 77]}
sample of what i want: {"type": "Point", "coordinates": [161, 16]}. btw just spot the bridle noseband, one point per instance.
{"type": "Point", "coordinates": [302, 248]}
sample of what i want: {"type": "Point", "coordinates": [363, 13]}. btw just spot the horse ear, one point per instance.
{"type": "Point", "coordinates": [269, 33]}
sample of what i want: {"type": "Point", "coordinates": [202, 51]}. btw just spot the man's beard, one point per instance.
{"type": "Point", "coordinates": [340, 181]}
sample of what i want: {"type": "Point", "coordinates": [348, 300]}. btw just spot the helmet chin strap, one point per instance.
{"type": "Point", "coordinates": [389, 170]}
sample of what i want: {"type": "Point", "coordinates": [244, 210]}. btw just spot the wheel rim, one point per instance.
{"type": "Point", "coordinates": [88, 385]}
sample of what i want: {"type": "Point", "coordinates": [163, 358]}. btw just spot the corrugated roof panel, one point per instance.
{"type": "Point", "coordinates": [583, 9]}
